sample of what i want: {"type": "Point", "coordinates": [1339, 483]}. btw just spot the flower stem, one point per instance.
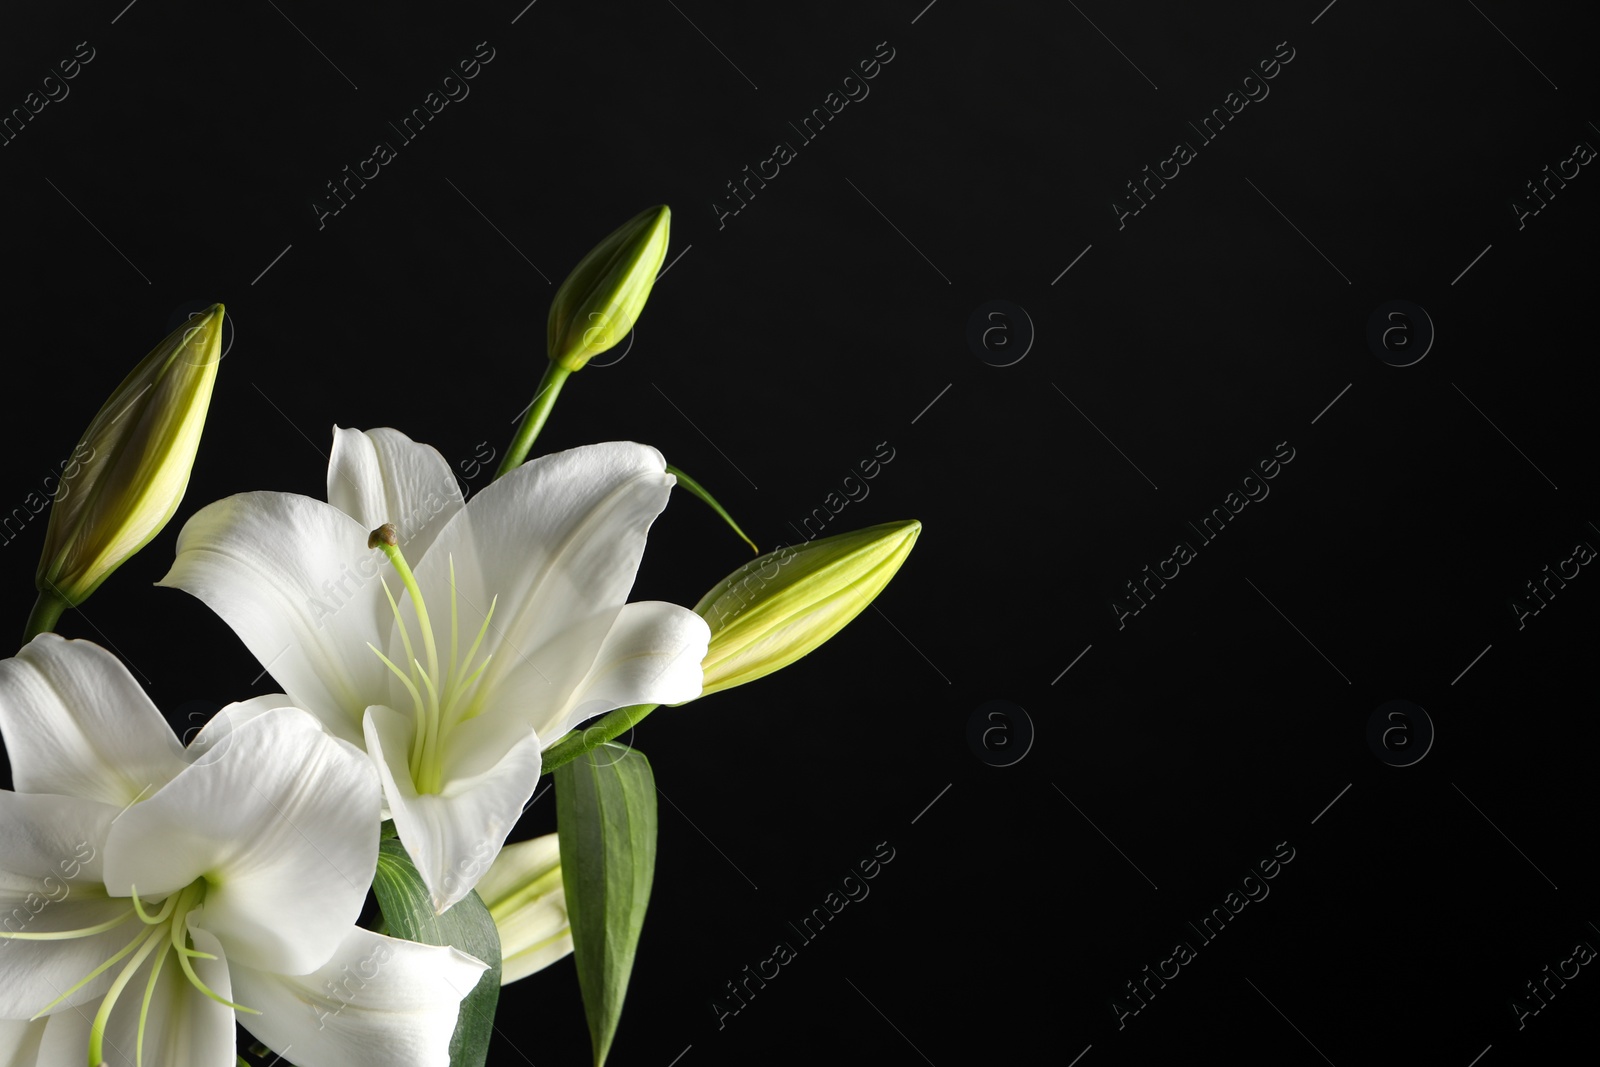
{"type": "Point", "coordinates": [45, 614]}
{"type": "Point", "coordinates": [604, 729]}
{"type": "Point", "coordinates": [533, 422]}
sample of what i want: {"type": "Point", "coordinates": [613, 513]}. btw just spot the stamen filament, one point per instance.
{"type": "Point", "coordinates": [484, 629]}
{"type": "Point", "coordinates": [70, 935]}
{"type": "Point", "coordinates": [159, 917]}
{"type": "Point", "coordinates": [451, 720]}
{"type": "Point", "coordinates": [96, 973]}
{"type": "Point", "coordinates": [449, 683]}
{"type": "Point", "coordinates": [415, 591]}
{"type": "Point", "coordinates": [144, 1006]}
{"type": "Point", "coordinates": [179, 937]}
{"type": "Point", "coordinates": [147, 941]}
{"type": "Point", "coordinates": [440, 700]}
{"type": "Point", "coordinates": [405, 634]}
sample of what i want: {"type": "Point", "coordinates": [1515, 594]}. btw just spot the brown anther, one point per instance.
{"type": "Point", "coordinates": [385, 534]}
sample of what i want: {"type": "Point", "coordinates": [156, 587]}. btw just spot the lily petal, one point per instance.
{"type": "Point", "coordinates": [19, 1042]}
{"type": "Point", "coordinates": [379, 1002]}
{"type": "Point", "coordinates": [184, 1026]}
{"type": "Point", "coordinates": [230, 718]}
{"type": "Point", "coordinates": [77, 723]}
{"type": "Point", "coordinates": [50, 882]}
{"type": "Point", "coordinates": [557, 540]}
{"type": "Point", "coordinates": [651, 656]}
{"type": "Point", "coordinates": [452, 836]}
{"type": "Point", "coordinates": [384, 476]}
{"type": "Point", "coordinates": [278, 818]}
{"type": "Point", "coordinates": [294, 578]}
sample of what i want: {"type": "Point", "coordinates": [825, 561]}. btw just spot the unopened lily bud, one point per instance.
{"type": "Point", "coordinates": [525, 895]}
{"type": "Point", "coordinates": [135, 460]}
{"type": "Point", "coordinates": [603, 296]}
{"type": "Point", "coordinates": [782, 605]}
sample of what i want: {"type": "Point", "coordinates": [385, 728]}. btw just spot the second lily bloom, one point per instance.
{"type": "Point", "coordinates": [492, 628]}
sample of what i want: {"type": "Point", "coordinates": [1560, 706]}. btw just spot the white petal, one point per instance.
{"type": "Point", "coordinates": [383, 476]}
{"type": "Point", "coordinates": [77, 723]}
{"type": "Point", "coordinates": [379, 1002]}
{"type": "Point", "coordinates": [532, 919]}
{"type": "Point", "coordinates": [651, 656]}
{"type": "Point", "coordinates": [19, 1042]}
{"type": "Point", "coordinates": [281, 820]}
{"type": "Point", "coordinates": [184, 1026]}
{"type": "Point", "coordinates": [491, 768]}
{"type": "Point", "coordinates": [296, 581]}
{"type": "Point", "coordinates": [558, 540]}
{"type": "Point", "coordinates": [230, 718]}
{"type": "Point", "coordinates": [50, 881]}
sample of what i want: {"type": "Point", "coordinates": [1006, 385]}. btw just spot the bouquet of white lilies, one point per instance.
{"type": "Point", "coordinates": [436, 657]}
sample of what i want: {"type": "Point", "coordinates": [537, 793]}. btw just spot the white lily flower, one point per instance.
{"type": "Point", "coordinates": [152, 893]}
{"type": "Point", "coordinates": [507, 624]}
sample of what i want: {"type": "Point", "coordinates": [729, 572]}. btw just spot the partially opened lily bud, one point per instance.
{"type": "Point", "coordinates": [525, 895]}
{"type": "Point", "coordinates": [781, 606]}
{"type": "Point", "coordinates": [135, 460]}
{"type": "Point", "coordinates": [601, 299]}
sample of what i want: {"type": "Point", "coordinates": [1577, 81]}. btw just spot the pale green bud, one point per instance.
{"type": "Point", "coordinates": [131, 468]}
{"type": "Point", "coordinates": [603, 296]}
{"type": "Point", "coordinates": [525, 896]}
{"type": "Point", "coordinates": [781, 606]}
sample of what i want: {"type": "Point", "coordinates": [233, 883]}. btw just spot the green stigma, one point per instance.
{"type": "Point", "coordinates": [440, 701]}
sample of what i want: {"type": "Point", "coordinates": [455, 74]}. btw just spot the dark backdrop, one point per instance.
{"type": "Point", "coordinates": [1139, 368]}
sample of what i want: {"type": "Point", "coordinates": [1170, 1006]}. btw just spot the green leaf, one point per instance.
{"type": "Point", "coordinates": [408, 913]}
{"type": "Point", "coordinates": [606, 813]}
{"type": "Point", "coordinates": [700, 491]}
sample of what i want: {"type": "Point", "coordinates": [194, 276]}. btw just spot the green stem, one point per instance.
{"type": "Point", "coordinates": [533, 422]}
{"type": "Point", "coordinates": [605, 729]}
{"type": "Point", "coordinates": [45, 614]}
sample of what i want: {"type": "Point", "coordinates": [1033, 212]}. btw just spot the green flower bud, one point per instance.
{"type": "Point", "coordinates": [133, 462]}
{"type": "Point", "coordinates": [601, 299]}
{"type": "Point", "coordinates": [782, 605]}
{"type": "Point", "coordinates": [527, 899]}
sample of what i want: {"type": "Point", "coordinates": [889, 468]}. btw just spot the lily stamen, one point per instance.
{"type": "Point", "coordinates": [439, 700]}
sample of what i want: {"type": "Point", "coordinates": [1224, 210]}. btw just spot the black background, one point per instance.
{"type": "Point", "coordinates": [792, 340]}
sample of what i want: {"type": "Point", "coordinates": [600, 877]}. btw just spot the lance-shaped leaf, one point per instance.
{"type": "Point", "coordinates": [408, 913]}
{"type": "Point", "coordinates": [606, 811]}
